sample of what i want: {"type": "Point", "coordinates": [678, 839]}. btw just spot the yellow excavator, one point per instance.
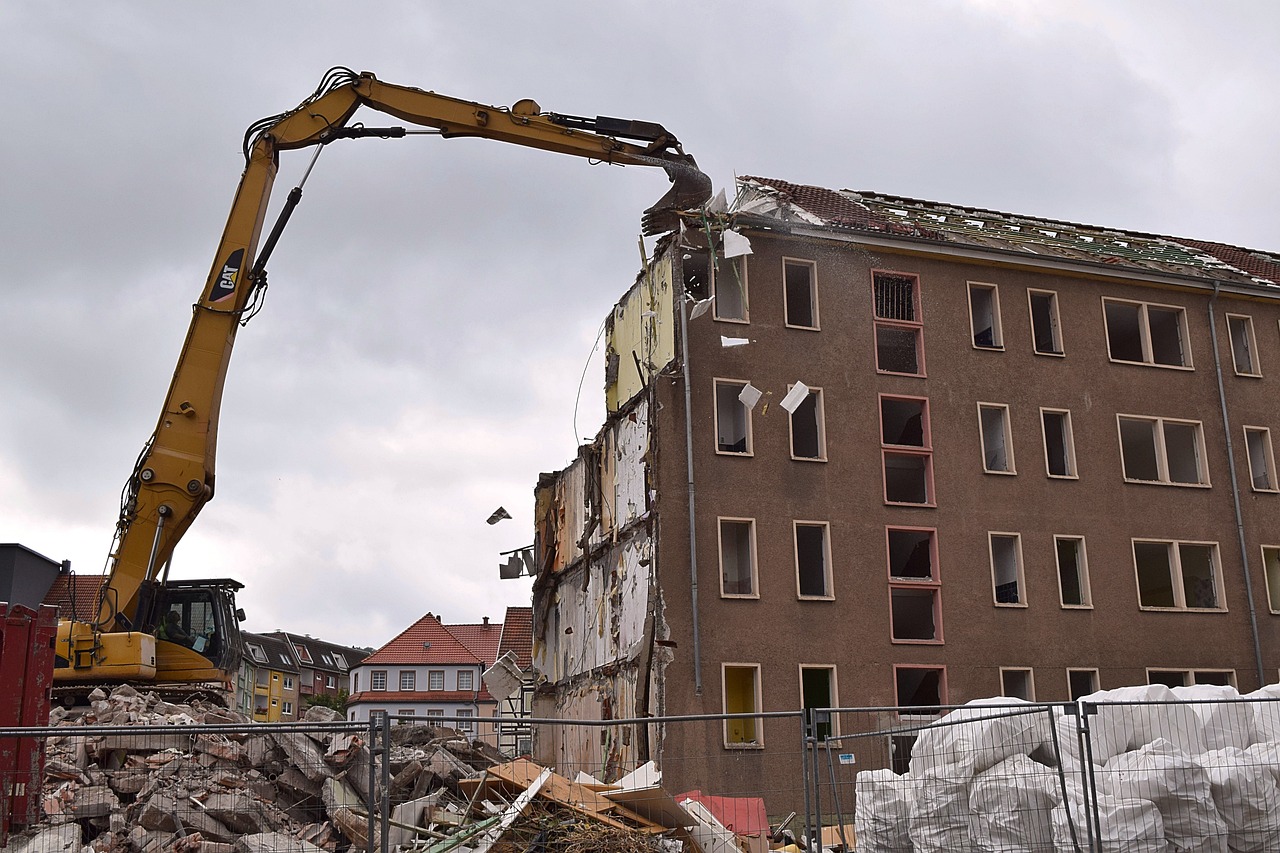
{"type": "Point", "coordinates": [155, 631]}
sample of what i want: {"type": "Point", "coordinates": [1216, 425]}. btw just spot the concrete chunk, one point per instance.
{"type": "Point", "coordinates": [63, 838]}
{"type": "Point", "coordinates": [305, 754]}
{"type": "Point", "coordinates": [274, 842]}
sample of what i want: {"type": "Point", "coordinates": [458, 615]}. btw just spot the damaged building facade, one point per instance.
{"type": "Point", "coordinates": [930, 453]}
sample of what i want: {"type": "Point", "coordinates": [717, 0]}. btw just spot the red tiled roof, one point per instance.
{"type": "Point", "coordinates": [75, 594]}
{"type": "Point", "coordinates": [481, 640]}
{"type": "Point", "coordinates": [517, 635]}
{"type": "Point", "coordinates": [426, 642]}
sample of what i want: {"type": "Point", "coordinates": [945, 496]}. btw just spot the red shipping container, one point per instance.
{"type": "Point", "coordinates": [26, 679]}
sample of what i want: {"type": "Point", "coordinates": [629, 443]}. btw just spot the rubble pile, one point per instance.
{"type": "Point", "coordinates": [200, 778]}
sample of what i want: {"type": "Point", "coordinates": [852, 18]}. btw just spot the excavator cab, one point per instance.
{"type": "Point", "coordinates": [206, 640]}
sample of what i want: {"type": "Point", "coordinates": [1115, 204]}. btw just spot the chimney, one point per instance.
{"type": "Point", "coordinates": [486, 621]}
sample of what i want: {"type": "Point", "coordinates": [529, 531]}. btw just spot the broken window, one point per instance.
{"type": "Point", "coordinates": [919, 688]}
{"type": "Point", "coordinates": [1081, 682]}
{"type": "Point", "coordinates": [912, 555]}
{"type": "Point", "coordinates": [733, 418]}
{"type": "Point", "coordinates": [435, 679]}
{"type": "Point", "coordinates": [737, 557]}
{"type": "Point", "coordinates": [1262, 465]}
{"type": "Point", "coordinates": [742, 696]}
{"type": "Point", "coordinates": [695, 266]}
{"type": "Point", "coordinates": [813, 560]}
{"type": "Point", "coordinates": [1006, 568]}
{"type": "Point", "coordinates": [378, 679]}
{"type": "Point", "coordinates": [800, 282]}
{"type": "Point", "coordinates": [808, 433]}
{"type": "Point", "coordinates": [1177, 575]}
{"type": "Point", "coordinates": [408, 680]}
{"type": "Point", "coordinates": [997, 449]}
{"type": "Point", "coordinates": [731, 290]}
{"type": "Point", "coordinates": [898, 328]}
{"type": "Point", "coordinates": [1059, 446]}
{"type": "Point", "coordinates": [908, 478]}
{"type": "Point", "coordinates": [1271, 564]}
{"type": "Point", "coordinates": [1073, 571]}
{"type": "Point", "coordinates": [1046, 335]}
{"type": "Point", "coordinates": [1244, 345]}
{"type": "Point", "coordinates": [915, 614]}
{"type": "Point", "coordinates": [1144, 333]}
{"type": "Point", "coordinates": [1017, 683]}
{"type": "Point", "coordinates": [818, 691]}
{"type": "Point", "coordinates": [904, 421]}
{"type": "Point", "coordinates": [1159, 450]}
{"type": "Point", "coordinates": [984, 316]}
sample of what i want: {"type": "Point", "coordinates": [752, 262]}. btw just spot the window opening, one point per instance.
{"type": "Point", "coordinates": [800, 280]}
{"type": "Point", "coordinates": [733, 419]}
{"type": "Point", "coordinates": [1017, 684]}
{"type": "Point", "coordinates": [1156, 450]}
{"type": "Point", "coordinates": [737, 557]}
{"type": "Point", "coordinates": [1081, 682]}
{"type": "Point", "coordinates": [918, 687]}
{"type": "Point", "coordinates": [695, 265]}
{"type": "Point", "coordinates": [1006, 568]}
{"type": "Point", "coordinates": [898, 350]}
{"type": "Point", "coordinates": [911, 554]}
{"type": "Point", "coordinates": [741, 689]}
{"type": "Point", "coordinates": [907, 478]}
{"type": "Point", "coordinates": [1262, 466]}
{"type": "Point", "coordinates": [808, 439]}
{"type": "Point", "coordinates": [900, 747]}
{"type": "Point", "coordinates": [730, 284]}
{"type": "Point", "coordinates": [904, 421]}
{"type": "Point", "coordinates": [1243, 345]}
{"type": "Point", "coordinates": [435, 679]}
{"type": "Point", "coordinates": [817, 690]}
{"type": "Point", "coordinates": [984, 316]}
{"type": "Point", "coordinates": [997, 450]}
{"type": "Point", "coordinates": [1177, 575]}
{"type": "Point", "coordinates": [378, 679]}
{"type": "Point", "coordinates": [1146, 334]}
{"type": "Point", "coordinates": [914, 614]}
{"type": "Point", "coordinates": [898, 330]}
{"type": "Point", "coordinates": [1059, 446]}
{"type": "Point", "coordinates": [1046, 336]}
{"type": "Point", "coordinates": [466, 680]}
{"type": "Point", "coordinates": [1073, 571]}
{"type": "Point", "coordinates": [408, 680]}
{"type": "Point", "coordinates": [813, 567]}
{"type": "Point", "coordinates": [1271, 563]}
{"type": "Point", "coordinates": [895, 297]}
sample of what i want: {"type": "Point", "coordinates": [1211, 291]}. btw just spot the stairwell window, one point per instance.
{"type": "Point", "coordinates": [1162, 450]}
{"type": "Point", "coordinates": [733, 418]}
{"type": "Point", "coordinates": [738, 558]}
{"type": "Point", "coordinates": [1007, 578]}
{"type": "Point", "coordinates": [1046, 331]}
{"type": "Point", "coordinates": [984, 316]}
{"type": "Point", "coordinates": [1178, 575]}
{"type": "Point", "coordinates": [813, 559]}
{"type": "Point", "coordinates": [997, 446]}
{"type": "Point", "coordinates": [1147, 333]}
{"type": "Point", "coordinates": [800, 285]}
{"type": "Point", "coordinates": [1059, 445]}
{"type": "Point", "coordinates": [1244, 346]}
{"type": "Point", "coordinates": [906, 450]}
{"type": "Point", "coordinates": [1073, 572]}
{"type": "Point", "coordinates": [1262, 464]}
{"type": "Point", "coordinates": [899, 329]}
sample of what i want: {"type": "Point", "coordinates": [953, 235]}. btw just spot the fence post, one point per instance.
{"type": "Point", "coordinates": [805, 770]}
{"type": "Point", "coordinates": [386, 786]}
{"type": "Point", "coordinates": [1089, 782]}
{"type": "Point", "coordinates": [371, 804]}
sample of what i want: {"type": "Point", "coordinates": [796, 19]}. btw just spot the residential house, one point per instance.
{"type": "Point", "coordinates": [272, 671]}
{"type": "Point", "coordinates": [938, 453]}
{"type": "Point", "coordinates": [511, 681]}
{"type": "Point", "coordinates": [324, 668]}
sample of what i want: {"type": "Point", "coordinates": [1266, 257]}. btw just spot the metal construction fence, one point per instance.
{"type": "Point", "coordinates": [999, 775]}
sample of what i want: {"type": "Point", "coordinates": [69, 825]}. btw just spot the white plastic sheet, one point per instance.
{"type": "Point", "coordinates": [941, 820]}
{"type": "Point", "coordinates": [1247, 797]}
{"type": "Point", "coordinates": [1180, 789]}
{"type": "Point", "coordinates": [1012, 804]}
{"type": "Point", "coordinates": [1225, 721]}
{"type": "Point", "coordinates": [980, 735]}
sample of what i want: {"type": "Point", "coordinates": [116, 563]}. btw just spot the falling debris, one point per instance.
{"type": "Point", "coordinates": [750, 395]}
{"type": "Point", "coordinates": [733, 342]}
{"type": "Point", "coordinates": [735, 245]}
{"type": "Point", "coordinates": [498, 515]}
{"type": "Point", "coordinates": [794, 397]}
{"type": "Point", "coordinates": [701, 307]}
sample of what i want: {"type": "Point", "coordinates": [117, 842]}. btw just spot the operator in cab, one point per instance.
{"type": "Point", "coordinates": [171, 629]}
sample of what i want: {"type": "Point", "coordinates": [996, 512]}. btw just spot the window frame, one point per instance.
{"type": "Point", "coordinates": [1162, 451]}
{"type": "Point", "coordinates": [828, 582]}
{"type": "Point", "coordinates": [1069, 442]}
{"type": "Point", "coordinates": [717, 382]}
{"type": "Point", "coordinates": [472, 680]}
{"type": "Point", "coordinates": [434, 677]}
{"type": "Point", "coordinates": [1095, 679]}
{"type": "Point", "coordinates": [997, 331]}
{"type": "Point", "coordinates": [820, 419]}
{"type": "Point", "coordinates": [1191, 674]}
{"type": "Point", "coordinates": [933, 583]}
{"type": "Point", "coordinates": [1250, 343]}
{"type": "Point", "coordinates": [757, 723]}
{"type": "Point", "coordinates": [1055, 322]}
{"type": "Point", "coordinates": [916, 327]}
{"type": "Point", "coordinates": [1082, 572]}
{"type": "Point", "coordinates": [833, 691]}
{"type": "Point", "coordinates": [754, 555]}
{"type": "Point", "coordinates": [1031, 682]}
{"type": "Point", "coordinates": [408, 677]}
{"type": "Point", "coordinates": [1144, 333]}
{"type": "Point", "coordinates": [1020, 567]}
{"type": "Point", "coordinates": [1175, 575]}
{"type": "Point", "coordinates": [1273, 583]}
{"type": "Point", "coordinates": [738, 266]}
{"type": "Point", "coordinates": [1268, 459]}
{"type": "Point", "coordinates": [934, 589]}
{"type": "Point", "coordinates": [941, 669]}
{"type": "Point", "coordinates": [374, 679]}
{"type": "Point", "coordinates": [1006, 426]}
{"type": "Point", "coordinates": [813, 294]}
{"type": "Point", "coordinates": [926, 435]}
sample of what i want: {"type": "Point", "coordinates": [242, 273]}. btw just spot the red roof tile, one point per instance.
{"type": "Point", "coordinates": [517, 635]}
{"type": "Point", "coordinates": [426, 642]}
{"type": "Point", "coordinates": [75, 594]}
{"type": "Point", "coordinates": [481, 640]}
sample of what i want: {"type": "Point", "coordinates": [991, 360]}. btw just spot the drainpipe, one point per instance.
{"type": "Point", "coordinates": [688, 455]}
{"type": "Point", "coordinates": [1235, 491]}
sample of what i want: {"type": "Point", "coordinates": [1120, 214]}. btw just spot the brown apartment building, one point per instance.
{"type": "Point", "coordinates": [1029, 458]}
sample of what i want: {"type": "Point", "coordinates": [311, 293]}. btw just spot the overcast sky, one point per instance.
{"type": "Point", "coordinates": [434, 303]}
